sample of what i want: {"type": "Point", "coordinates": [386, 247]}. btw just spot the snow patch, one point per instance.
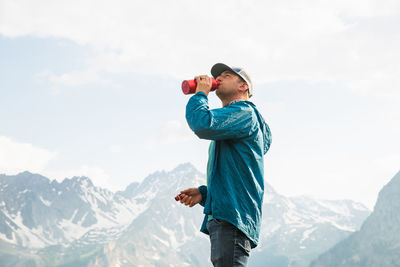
{"type": "Point", "coordinates": [306, 234]}
{"type": "Point", "coordinates": [26, 237]}
{"type": "Point", "coordinates": [45, 202]}
{"type": "Point", "coordinates": [174, 243]}
{"type": "Point", "coordinates": [162, 241]}
{"type": "Point", "coordinates": [23, 192]}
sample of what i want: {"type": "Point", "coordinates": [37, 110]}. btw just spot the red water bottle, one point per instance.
{"type": "Point", "coordinates": [189, 86]}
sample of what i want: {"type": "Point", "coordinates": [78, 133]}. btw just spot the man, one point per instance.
{"type": "Point", "coordinates": [240, 137]}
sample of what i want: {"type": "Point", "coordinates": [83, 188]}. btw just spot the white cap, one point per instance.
{"type": "Point", "coordinates": [219, 68]}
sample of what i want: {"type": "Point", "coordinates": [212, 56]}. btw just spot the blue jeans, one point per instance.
{"type": "Point", "coordinates": [229, 246]}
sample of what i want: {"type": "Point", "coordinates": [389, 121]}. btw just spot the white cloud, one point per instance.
{"type": "Point", "coordinates": [115, 149]}
{"type": "Point", "coordinates": [73, 79]}
{"type": "Point", "coordinates": [350, 42]}
{"type": "Point", "coordinates": [387, 163]}
{"type": "Point", "coordinates": [330, 175]}
{"type": "Point", "coordinates": [174, 131]}
{"type": "Point", "coordinates": [170, 133]}
{"type": "Point", "coordinates": [355, 42]}
{"type": "Point", "coordinates": [17, 157]}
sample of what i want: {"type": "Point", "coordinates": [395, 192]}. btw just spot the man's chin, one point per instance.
{"type": "Point", "coordinates": [219, 91]}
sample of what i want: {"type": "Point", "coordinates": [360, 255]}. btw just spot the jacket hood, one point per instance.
{"type": "Point", "coordinates": [264, 128]}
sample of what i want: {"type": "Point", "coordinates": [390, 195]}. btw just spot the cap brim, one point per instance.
{"type": "Point", "coordinates": [219, 68]}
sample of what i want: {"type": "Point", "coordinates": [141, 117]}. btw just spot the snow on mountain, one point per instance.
{"type": "Point", "coordinates": [89, 226]}
{"type": "Point", "coordinates": [167, 232]}
{"type": "Point", "coordinates": [294, 230]}
{"type": "Point", "coordinates": [38, 212]}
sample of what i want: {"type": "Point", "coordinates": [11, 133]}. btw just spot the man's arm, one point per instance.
{"type": "Point", "coordinates": [203, 192]}
{"type": "Point", "coordinates": [233, 121]}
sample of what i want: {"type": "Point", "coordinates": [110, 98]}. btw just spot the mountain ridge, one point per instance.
{"type": "Point", "coordinates": [92, 226]}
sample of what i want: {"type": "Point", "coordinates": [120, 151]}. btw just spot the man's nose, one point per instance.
{"type": "Point", "coordinates": [219, 78]}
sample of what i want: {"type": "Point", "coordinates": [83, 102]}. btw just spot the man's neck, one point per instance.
{"type": "Point", "coordinates": [227, 102]}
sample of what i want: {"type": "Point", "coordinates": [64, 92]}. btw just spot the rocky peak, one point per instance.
{"type": "Point", "coordinates": [389, 196]}
{"type": "Point", "coordinates": [25, 179]}
{"type": "Point", "coordinates": [386, 214]}
{"type": "Point", "coordinates": [378, 241]}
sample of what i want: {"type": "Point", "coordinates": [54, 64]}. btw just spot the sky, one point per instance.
{"type": "Point", "coordinates": [93, 88]}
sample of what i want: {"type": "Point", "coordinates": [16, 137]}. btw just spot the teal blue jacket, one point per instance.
{"type": "Point", "coordinates": [236, 168]}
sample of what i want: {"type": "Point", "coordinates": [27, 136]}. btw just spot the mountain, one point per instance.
{"type": "Point", "coordinates": [74, 223]}
{"type": "Point", "coordinates": [166, 232]}
{"type": "Point", "coordinates": [37, 212]}
{"type": "Point", "coordinates": [377, 243]}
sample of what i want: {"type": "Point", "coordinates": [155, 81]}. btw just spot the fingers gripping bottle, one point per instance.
{"type": "Point", "coordinates": [189, 86]}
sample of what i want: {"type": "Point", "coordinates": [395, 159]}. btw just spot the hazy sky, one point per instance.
{"type": "Point", "coordinates": [93, 88]}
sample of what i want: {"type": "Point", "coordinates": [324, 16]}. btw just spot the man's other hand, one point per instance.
{"type": "Point", "coordinates": [190, 197]}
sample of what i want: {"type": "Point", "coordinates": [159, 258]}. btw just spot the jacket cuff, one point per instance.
{"type": "Point", "coordinates": [201, 93]}
{"type": "Point", "coordinates": [203, 191]}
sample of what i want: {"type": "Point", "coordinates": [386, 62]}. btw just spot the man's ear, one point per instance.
{"type": "Point", "coordinates": [244, 87]}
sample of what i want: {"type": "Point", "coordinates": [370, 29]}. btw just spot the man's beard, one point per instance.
{"type": "Point", "coordinates": [224, 94]}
